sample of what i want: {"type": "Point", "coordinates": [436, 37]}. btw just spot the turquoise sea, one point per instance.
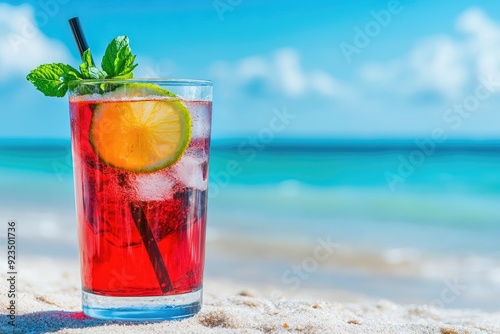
{"type": "Point", "coordinates": [401, 220]}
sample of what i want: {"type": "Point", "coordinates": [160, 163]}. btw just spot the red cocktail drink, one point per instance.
{"type": "Point", "coordinates": [141, 201]}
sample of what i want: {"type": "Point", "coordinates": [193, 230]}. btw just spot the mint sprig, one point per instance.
{"type": "Point", "coordinates": [52, 79]}
{"type": "Point", "coordinates": [118, 62]}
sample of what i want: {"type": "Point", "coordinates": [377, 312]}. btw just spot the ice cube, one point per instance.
{"type": "Point", "coordinates": [150, 187]}
{"type": "Point", "coordinates": [201, 119]}
{"type": "Point", "coordinates": [189, 171]}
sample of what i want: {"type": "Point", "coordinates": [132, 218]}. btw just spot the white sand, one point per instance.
{"type": "Point", "coordinates": [49, 301]}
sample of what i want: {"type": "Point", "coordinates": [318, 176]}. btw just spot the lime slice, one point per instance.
{"type": "Point", "coordinates": [137, 89]}
{"type": "Point", "coordinates": [140, 135]}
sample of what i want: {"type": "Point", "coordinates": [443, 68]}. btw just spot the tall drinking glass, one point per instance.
{"type": "Point", "coordinates": [140, 156]}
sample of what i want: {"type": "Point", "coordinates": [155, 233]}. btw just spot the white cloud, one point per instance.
{"type": "Point", "coordinates": [483, 42]}
{"type": "Point", "coordinates": [443, 63]}
{"type": "Point", "coordinates": [292, 78]}
{"type": "Point", "coordinates": [22, 45]}
{"type": "Point", "coordinates": [434, 64]}
{"type": "Point", "coordinates": [437, 64]}
{"type": "Point", "coordinates": [282, 72]}
{"type": "Point", "coordinates": [253, 67]}
{"type": "Point", "coordinates": [475, 22]}
{"type": "Point", "coordinates": [327, 85]}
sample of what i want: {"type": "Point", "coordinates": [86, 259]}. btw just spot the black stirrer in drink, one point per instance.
{"type": "Point", "coordinates": [152, 249]}
{"type": "Point", "coordinates": [136, 209]}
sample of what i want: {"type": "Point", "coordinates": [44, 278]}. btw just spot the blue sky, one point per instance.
{"type": "Point", "coordinates": [405, 80]}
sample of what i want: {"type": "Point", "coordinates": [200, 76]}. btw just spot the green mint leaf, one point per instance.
{"type": "Point", "coordinates": [88, 69]}
{"type": "Point", "coordinates": [87, 58]}
{"type": "Point", "coordinates": [53, 79]}
{"type": "Point", "coordinates": [118, 60]}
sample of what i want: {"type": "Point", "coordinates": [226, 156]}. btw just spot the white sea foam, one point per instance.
{"type": "Point", "coordinates": [290, 188]}
{"type": "Point", "coordinates": [400, 255]}
{"type": "Point", "coordinates": [48, 228]}
{"type": "Point", "coordinates": [494, 275]}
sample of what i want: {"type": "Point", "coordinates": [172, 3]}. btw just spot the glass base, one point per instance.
{"type": "Point", "coordinates": [154, 308]}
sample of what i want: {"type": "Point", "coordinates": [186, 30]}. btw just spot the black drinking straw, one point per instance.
{"type": "Point", "coordinates": [136, 209]}
{"type": "Point", "coordinates": [81, 42]}
{"type": "Point", "coordinates": [148, 239]}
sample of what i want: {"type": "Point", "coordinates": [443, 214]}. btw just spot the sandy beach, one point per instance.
{"type": "Point", "coordinates": [49, 302]}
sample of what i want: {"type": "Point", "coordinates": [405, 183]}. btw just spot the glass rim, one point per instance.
{"type": "Point", "coordinates": [160, 81]}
